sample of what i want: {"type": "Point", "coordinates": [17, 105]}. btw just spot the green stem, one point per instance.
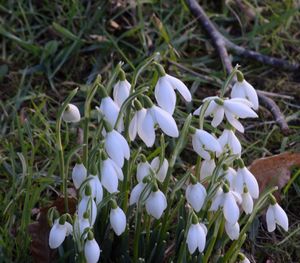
{"type": "Point", "coordinates": [228, 81]}
{"type": "Point", "coordinates": [59, 146]}
{"type": "Point", "coordinates": [137, 234]}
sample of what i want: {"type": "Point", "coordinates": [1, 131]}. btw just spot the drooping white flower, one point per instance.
{"type": "Point", "coordinates": [207, 168]}
{"type": "Point", "coordinates": [96, 187]}
{"type": "Point", "coordinates": [135, 123]}
{"type": "Point", "coordinates": [80, 224]}
{"type": "Point", "coordinates": [231, 108]}
{"type": "Point", "coordinates": [91, 251]}
{"type": "Point", "coordinates": [161, 171]}
{"type": "Point", "coordinates": [110, 174]}
{"type": "Point", "coordinates": [276, 215]}
{"type": "Point", "coordinates": [196, 237]}
{"type": "Point", "coordinates": [156, 203]}
{"type": "Point", "coordinates": [110, 111]}
{"type": "Point", "coordinates": [247, 202]}
{"type": "Point", "coordinates": [71, 114]}
{"type": "Point", "coordinates": [143, 169]}
{"type": "Point", "coordinates": [165, 94]}
{"type": "Point", "coordinates": [117, 220]}
{"type": "Point", "coordinates": [58, 232]}
{"type": "Point", "coordinates": [195, 195]}
{"type": "Point", "coordinates": [232, 230]}
{"type": "Point", "coordinates": [204, 143]}
{"type": "Point", "coordinates": [245, 178]}
{"type": "Point", "coordinates": [243, 89]}
{"type": "Point", "coordinates": [121, 92]}
{"type": "Point", "coordinates": [136, 192]}
{"type": "Point", "coordinates": [227, 200]}
{"type": "Point", "coordinates": [228, 140]}
{"type": "Point", "coordinates": [117, 147]}
{"type": "Point", "coordinates": [87, 204]}
{"type": "Point", "coordinates": [230, 177]}
{"type": "Point", "coordinates": [79, 174]}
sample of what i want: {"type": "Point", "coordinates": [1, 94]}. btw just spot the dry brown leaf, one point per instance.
{"type": "Point", "coordinates": [274, 170]}
{"type": "Point", "coordinates": [39, 232]}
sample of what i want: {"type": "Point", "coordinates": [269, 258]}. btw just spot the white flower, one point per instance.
{"type": "Point", "coordinates": [230, 177]}
{"type": "Point", "coordinates": [207, 168]}
{"type": "Point", "coordinates": [243, 89]}
{"type": "Point", "coordinates": [232, 108]}
{"type": "Point", "coordinates": [121, 91]}
{"type": "Point", "coordinates": [110, 110]}
{"type": "Point", "coordinates": [229, 202]}
{"type": "Point", "coordinates": [110, 174]}
{"type": "Point", "coordinates": [245, 260]}
{"type": "Point", "coordinates": [71, 114]}
{"type": "Point", "coordinates": [228, 139]}
{"type": "Point", "coordinates": [91, 251]}
{"type": "Point", "coordinates": [96, 187]}
{"type": "Point", "coordinates": [58, 233]}
{"type": "Point", "coordinates": [156, 203]}
{"type": "Point", "coordinates": [135, 123]}
{"type": "Point", "coordinates": [155, 115]}
{"type": "Point", "coordinates": [136, 192]}
{"type": "Point", "coordinates": [276, 215]}
{"type": "Point", "coordinates": [87, 204]}
{"type": "Point", "coordinates": [165, 94]}
{"type": "Point", "coordinates": [247, 202]}
{"type": "Point", "coordinates": [196, 237]}
{"type": "Point", "coordinates": [232, 230]}
{"type": "Point", "coordinates": [161, 171]}
{"type": "Point", "coordinates": [245, 178]}
{"type": "Point", "coordinates": [195, 195]}
{"type": "Point", "coordinates": [79, 174]}
{"type": "Point", "coordinates": [203, 143]}
{"type": "Point", "coordinates": [117, 220]}
{"type": "Point", "coordinates": [117, 147]}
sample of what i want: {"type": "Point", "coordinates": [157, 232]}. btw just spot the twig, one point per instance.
{"type": "Point", "coordinates": [221, 44]}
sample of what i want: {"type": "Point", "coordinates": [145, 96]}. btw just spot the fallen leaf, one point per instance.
{"type": "Point", "coordinates": [39, 232]}
{"type": "Point", "coordinates": [274, 170]}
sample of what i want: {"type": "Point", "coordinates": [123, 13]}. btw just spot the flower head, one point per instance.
{"type": "Point", "coordinates": [228, 140]}
{"type": "Point", "coordinates": [71, 114]}
{"type": "Point", "coordinates": [91, 250]}
{"type": "Point", "coordinates": [58, 232]}
{"type": "Point", "coordinates": [79, 174]}
{"type": "Point", "coordinates": [232, 230]}
{"type": "Point", "coordinates": [121, 92]}
{"type": "Point", "coordinates": [117, 220]}
{"type": "Point", "coordinates": [110, 175]}
{"type": "Point", "coordinates": [276, 215]}
{"type": "Point", "coordinates": [195, 195]}
{"type": "Point", "coordinates": [196, 237]}
{"type": "Point", "coordinates": [245, 178]}
{"type": "Point", "coordinates": [156, 203]}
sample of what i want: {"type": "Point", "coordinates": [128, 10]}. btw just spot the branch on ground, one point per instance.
{"type": "Point", "coordinates": [222, 44]}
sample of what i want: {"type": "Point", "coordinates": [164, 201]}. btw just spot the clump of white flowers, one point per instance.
{"type": "Point", "coordinates": [219, 192]}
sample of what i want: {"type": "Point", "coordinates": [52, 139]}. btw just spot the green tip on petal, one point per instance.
{"type": "Point", "coordinates": [90, 235]}
{"type": "Point", "coordinates": [192, 130]}
{"type": "Point", "coordinates": [88, 190]}
{"type": "Point", "coordinates": [122, 75]}
{"type": "Point", "coordinates": [195, 219]}
{"type": "Point", "coordinates": [113, 204]}
{"type": "Point", "coordinates": [240, 163]}
{"type": "Point", "coordinates": [193, 179]}
{"type": "Point", "coordinates": [240, 76]}
{"type": "Point", "coordinates": [147, 101]}
{"type": "Point", "coordinates": [219, 101]}
{"type": "Point", "coordinates": [138, 106]}
{"type": "Point", "coordinates": [273, 200]}
{"type": "Point", "coordinates": [225, 188]}
{"type": "Point", "coordinates": [160, 69]}
{"type": "Point", "coordinates": [62, 219]}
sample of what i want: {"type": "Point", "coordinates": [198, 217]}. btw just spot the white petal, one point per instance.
{"type": "Point", "coordinates": [165, 95]}
{"type": "Point", "coordinates": [156, 204]}
{"type": "Point", "coordinates": [239, 181]}
{"type": "Point", "coordinates": [96, 187]}
{"type": "Point", "coordinates": [230, 208]}
{"type": "Point", "coordinates": [165, 121]}
{"type": "Point", "coordinates": [117, 169]}
{"type": "Point", "coordinates": [195, 195]}
{"type": "Point", "coordinates": [238, 90]}
{"type": "Point", "coordinates": [79, 174]}
{"type": "Point", "coordinates": [250, 182]}
{"type": "Point", "coordinates": [162, 172]}
{"type": "Point", "coordinates": [234, 143]}
{"type": "Point", "coordinates": [88, 204]}
{"type": "Point", "coordinates": [217, 200]}
{"type": "Point", "coordinates": [133, 127]}
{"type": "Point", "coordinates": [233, 231]}
{"type": "Point", "coordinates": [218, 116]}
{"type": "Point", "coordinates": [109, 177]}
{"type": "Point", "coordinates": [230, 176]}
{"type": "Point", "coordinates": [71, 114]}
{"type": "Point", "coordinates": [250, 93]}
{"type": "Point", "coordinates": [135, 193]}
{"type": "Point", "coordinates": [121, 92]}
{"type": "Point", "coordinates": [201, 238]}
{"type": "Point", "coordinates": [181, 87]}
{"type": "Point", "coordinates": [234, 122]}
{"type": "Point", "coordinates": [247, 203]}
{"type": "Point", "coordinates": [207, 168]}
{"type": "Point", "coordinates": [118, 220]}
{"type": "Point", "coordinates": [239, 109]}
{"type": "Point", "coordinates": [57, 235]}
{"type": "Point", "coordinates": [270, 218]}
{"type": "Point", "coordinates": [110, 110]}
{"type": "Point", "coordinates": [146, 129]}
{"type": "Point", "coordinates": [281, 217]}
{"type": "Point", "coordinates": [142, 170]}
{"type": "Point", "coordinates": [91, 251]}
{"type": "Point", "coordinates": [124, 145]}
{"type": "Point", "coordinates": [210, 142]}
{"type": "Point", "coordinates": [192, 238]}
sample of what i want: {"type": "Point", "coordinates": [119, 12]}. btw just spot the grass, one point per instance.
{"type": "Point", "coordinates": [49, 48]}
